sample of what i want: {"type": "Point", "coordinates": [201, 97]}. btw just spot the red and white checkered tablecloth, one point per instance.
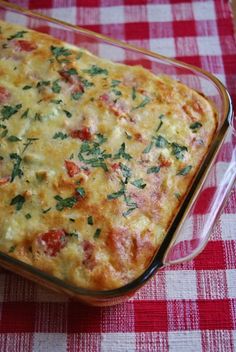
{"type": "Point", "coordinates": [188, 307]}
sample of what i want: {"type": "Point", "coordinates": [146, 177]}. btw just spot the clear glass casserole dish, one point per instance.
{"type": "Point", "coordinates": [191, 227]}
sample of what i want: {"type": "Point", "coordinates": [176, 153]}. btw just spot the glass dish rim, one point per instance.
{"type": "Point", "coordinates": [156, 262]}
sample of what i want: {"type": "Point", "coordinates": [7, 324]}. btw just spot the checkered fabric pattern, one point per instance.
{"type": "Point", "coordinates": [187, 307]}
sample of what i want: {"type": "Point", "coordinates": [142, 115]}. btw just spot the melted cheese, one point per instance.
{"type": "Point", "coordinates": [95, 158]}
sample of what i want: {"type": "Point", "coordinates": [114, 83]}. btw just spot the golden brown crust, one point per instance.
{"type": "Point", "coordinates": [95, 158]}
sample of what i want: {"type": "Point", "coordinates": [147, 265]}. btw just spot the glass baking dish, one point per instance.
{"type": "Point", "coordinates": [191, 227]}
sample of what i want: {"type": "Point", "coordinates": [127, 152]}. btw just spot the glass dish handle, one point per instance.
{"type": "Point", "coordinates": [196, 229]}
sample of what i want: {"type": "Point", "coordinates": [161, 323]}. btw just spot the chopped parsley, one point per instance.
{"type": "Point", "coordinates": [116, 195]}
{"type": "Point", "coordinates": [56, 88]}
{"type": "Point", "coordinates": [148, 148]}
{"type": "Point", "coordinates": [28, 216]}
{"type": "Point", "coordinates": [27, 87]}
{"type": "Point", "coordinates": [68, 114]}
{"type": "Point", "coordinates": [80, 191]}
{"type": "Point", "coordinates": [139, 183]}
{"type": "Point", "coordinates": [7, 111]}
{"type": "Point", "coordinates": [46, 210]}
{"type": "Point", "coordinates": [161, 142]}
{"type": "Point", "coordinates": [128, 212]}
{"type": "Point", "coordinates": [126, 172]}
{"type": "Point", "coordinates": [76, 95]}
{"type": "Point", "coordinates": [17, 35]}
{"type": "Point", "coordinates": [134, 93]}
{"type": "Point", "coordinates": [90, 220]}
{"type": "Point", "coordinates": [71, 72]}
{"type": "Point", "coordinates": [122, 153]}
{"type": "Point", "coordinates": [177, 195]}
{"type": "Point", "coordinates": [96, 70]}
{"type": "Point", "coordinates": [195, 126]}
{"type": "Point", "coordinates": [185, 170]}
{"type": "Point", "coordinates": [25, 114]}
{"type": "Point", "coordinates": [65, 203]}
{"type": "Point", "coordinates": [4, 133]}
{"type": "Point", "coordinates": [85, 82]}
{"type": "Point", "coordinates": [60, 135]}
{"type": "Point", "coordinates": [28, 143]}
{"type": "Point", "coordinates": [128, 136]}
{"type": "Point", "coordinates": [16, 167]}
{"type": "Point", "coordinates": [116, 92]}
{"type": "Point", "coordinates": [93, 148]}
{"type": "Point", "coordinates": [178, 150]}
{"type": "Point", "coordinates": [12, 249]}
{"type": "Point", "coordinates": [159, 126]}
{"type": "Point", "coordinates": [73, 234]}
{"type": "Point", "coordinates": [97, 233]}
{"type": "Point", "coordinates": [18, 201]}
{"type": "Point", "coordinates": [142, 104]}
{"type": "Point", "coordinates": [56, 101]}
{"type": "Point", "coordinates": [115, 83]}
{"type": "Point", "coordinates": [153, 169]}
{"type": "Point", "coordinates": [43, 84]}
{"type": "Point", "coordinates": [59, 51]}
{"type": "Point", "coordinates": [13, 139]}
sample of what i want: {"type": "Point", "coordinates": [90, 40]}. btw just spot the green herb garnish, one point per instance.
{"type": "Point", "coordinates": [195, 126]}
{"type": "Point", "coordinates": [25, 114]}
{"type": "Point", "coordinates": [90, 220]}
{"type": "Point", "coordinates": [77, 95]}
{"type": "Point", "coordinates": [153, 169]}
{"type": "Point", "coordinates": [148, 148]}
{"type": "Point", "coordinates": [122, 153]}
{"type": "Point", "coordinates": [139, 183]}
{"type": "Point", "coordinates": [17, 35]}
{"type": "Point", "coordinates": [126, 172]}
{"type": "Point", "coordinates": [65, 203]}
{"type": "Point", "coordinates": [7, 111]}
{"type": "Point", "coordinates": [28, 143]}
{"type": "Point", "coordinates": [27, 87]}
{"type": "Point", "coordinates": [59, 51]}
{"type": "Point", "coordinates": [71, 72]}
{"type": "Point", "coordinates": [116, 195]}
{"type": "Point", "coordinates": [97, 233]}
{"type": "Point", "coordinates": [80, 191]}
{"type": "Point", "coordinates": [13, 139]}
{"type": "Point", "coordinates": [28, 216]}
{"type": "Point", "coordinates": [178, 150]}
{"type": "Point", "coordinates": [46, 210]}
{"type": "Point", "coordinates": [18, 201]}
{"type": "Point", "coordinates": [43, 84]}
{"type": "Point", "coordinates": [68, 114]}
{"type": "Point", "coordinates": [96, 70]}
{"type": "Point", "coordinates": [142, 104]}
{"type": "Point", "coordinates": [16, 167]}
{"type": "Point", "coordinates": [161, 142]}
{"type": "Point", "coordinates": [56, 88]}
{"type": "Point", "coordinates": [60, 135]}
{"type": "Point", "coordinates": [134, 93]}
{"type": "Point", "coordinates": [115, 83]}
{"type": "Point", "coordinates": [185, 170]}
{"type": "Point", "coordinates": [12, 249]}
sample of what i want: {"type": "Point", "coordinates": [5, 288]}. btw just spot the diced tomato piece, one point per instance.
{"type": "Point", "coordinates": [4, 180]}
{"type": "Point", "coordinates": [72, 168]}
{"type": "Point", "coordinates": [164, 162]}
{"type": "Point", "coordinates": [53, 241]}
{"type": "Point", "coordinates": [4, 94]}
{"type": "Point", "coordinates": [84, 134]}
{"type": "Point", "coordinates": [89, 257]}
{"type": "Point", "coordinates": [25, 45]}
{"type": "Point", "coordinates": [115, 166]}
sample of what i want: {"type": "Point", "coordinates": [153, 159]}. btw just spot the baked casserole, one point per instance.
{"type": "Point", "coordinates": [95, 158]}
